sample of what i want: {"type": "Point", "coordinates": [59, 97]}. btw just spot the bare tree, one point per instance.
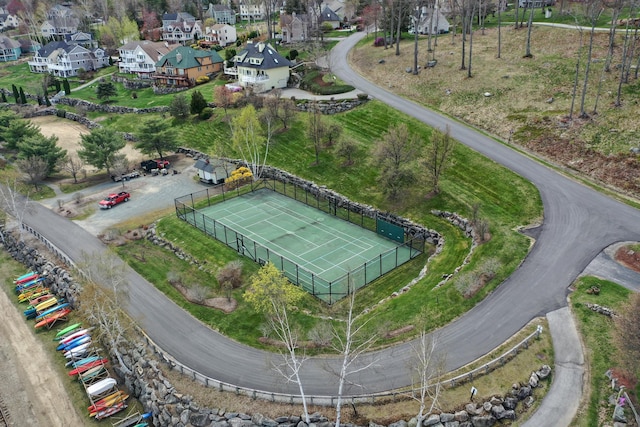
{"type": "Point", "coordinates": [394, 156]}
{"type": "Point", "coordinates": [625, 58]}
{"type": "Point", "coordinates": [230, 277]}
{"type": "Point", "coordinates": [316, 129]}
{"type": "Point", "coordinates": [73, 164]}
{"type": "Point", "coordinates": [594, 9]}
{"type": "Point", "coordinates": [270, 115]}
{"type": "Point", "coordinates": [527, 53]}
{"type": "Point", "coordinates": [14, 203]}
{"type": "Point", "coordinates": [34, 170]}
{"type": "Point", "coordinates": [287, 111]}
{"type": "Point", "coordinates": [574, 91]}
{"type": "Point", "coordinates": [438, 156]}
{"type": "Point", "coordinates": [351, 344]}
{"type": "Point", "coordinates": [223, 98]}
{"type": "Point", "coordinates": [103, 295]}
{"type": "Point", "coordinates": [626, 333]}
{"type": "Point", "coordinates": [271, 293]}
{"type": "Point", "coordinates": [427, 367]}
{"type": "Point", "coordinates": [616, 7]}
{"type": "Point", "coordinates": [346, 148]}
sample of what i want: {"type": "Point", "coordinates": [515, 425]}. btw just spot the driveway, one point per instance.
{"type": "Point", "coordinates": [578, 224]}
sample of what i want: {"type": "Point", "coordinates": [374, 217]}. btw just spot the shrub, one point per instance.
{"type": "Point", "coordinates": [206, 113]}
{"type": "Point", "coordinates": [379, 41]}
{"type": "Point", "coordinates": [202, 79]}
{"type": "Point", "coordinates": [293, 54]}
{"type": "Point", "coordinates": [363, 96]}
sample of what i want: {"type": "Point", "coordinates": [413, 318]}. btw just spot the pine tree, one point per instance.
{"type": "Point", "coordinates": [23, 98]}
{"type": "Point", "coordinates": [66, 87]}
{"type": "Point", "coordinates": [16, 95]}
{"type": "Point", "coordinates": [4, 97]}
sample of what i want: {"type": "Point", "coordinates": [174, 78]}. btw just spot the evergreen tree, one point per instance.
{"type": "Point", "coordinates": [57, 83]}
{"type": "Point", "coordinates": [23, 98]}
{"type": "Point", "coordinates": [105, 90]}
{"type": "Point", "coordinates": [66, 87]}
{"type": "Point", "coordinates": [16, 95]}
{"type": "Point", "coordinates": [179, 107]}
{"type": "Point", "coordinates": [4, 97]}
{"type": "Point", "coordinates": [198, 103]}
{"type": "Point", "coordinates": [42, 147]}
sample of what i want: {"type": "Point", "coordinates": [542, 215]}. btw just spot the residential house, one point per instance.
{"type": "Point", "coordinates": [64, 60]}
{"type": "Point", "coordinates": [8, 21]}
{"type": "Point", "coordinates": [9, 49]}
{"type": "Point", "coordinates": [81, 38]}
{"type": "Point", "coordinates": [140, 57]}
{"type": "Point", "coordinates": [329, 16]}
{"type": "Point", "coordinates": [294, 27]}
{"type": "Point", "coordinates": [260, 67]}
{"type": "Point", "coordinates": [221, 34]}
{"type": "Point", "coordinates": [250, 11]}
{"type": "Point", "coordinates": [222, 14]}
{"type": "Point", "coordinates": [431, 21]}
{"type": "Point", "coordinates": [60, 21]}
{"type": "Point", "coordinates": [183, 65]}
{"type": "Point", "coordinates": [181, 28]}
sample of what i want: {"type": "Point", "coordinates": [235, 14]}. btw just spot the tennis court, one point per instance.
{"type": "Point", "coordinates": [322, 253]}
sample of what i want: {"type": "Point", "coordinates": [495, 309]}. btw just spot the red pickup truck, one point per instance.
{"type": "Point", "coordinates": [113, 199]}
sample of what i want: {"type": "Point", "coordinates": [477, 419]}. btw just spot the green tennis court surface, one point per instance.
{"type": "Point", "coordinates": [325, 255]}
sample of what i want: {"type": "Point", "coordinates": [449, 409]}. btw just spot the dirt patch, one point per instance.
{"type": "Point", "coordinates": [629, 257]}
{"type": "Point", "coordinates": [69, 135]}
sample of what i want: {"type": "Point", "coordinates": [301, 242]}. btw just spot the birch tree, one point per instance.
{"type": "Point", "coordinates": [427, 367]}
{"type": "Point", "coordinates": [14, 203]}
{"type": "Point", "coordinates": [248, 140]}
{"type": "Point", "coordinates": [351, 343]}
{"type": "Point", "coordinates": [271, 294]}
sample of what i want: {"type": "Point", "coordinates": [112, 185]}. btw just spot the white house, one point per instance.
{"type": "Point", "coordinates": [60, 21]}
{"type": "Point", "coordinates": [8, 21]}
{"type": "Point", "coordinates": [250, 11]}
{"type": "Point", "coordinates": [181, 28]}
{"type": "Point", "coordinates": [64, 60]}
{"type": "Point", "coordinates": [221, 34]}
{"type": "Point", "coordinates": [260, 67]}
{"type": "Point", "coordinates": [139, 57]}
{"type": "Point", "coordinates": [431, 21]}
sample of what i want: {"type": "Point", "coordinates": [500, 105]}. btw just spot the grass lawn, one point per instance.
{"type": "Point", "coordinates": [601, 355]}
{"type": "Point", "coordinates": [506, 200]}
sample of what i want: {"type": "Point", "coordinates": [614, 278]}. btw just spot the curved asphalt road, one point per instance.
{"type": "Point", "coordinates": [578, 224]}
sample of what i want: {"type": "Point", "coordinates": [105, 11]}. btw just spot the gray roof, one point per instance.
{"type": "Point", "coordinates": [266, 55]}
{"type": "Point", "coordinates": [8, 43]}
{"type": "Point", "coordinates": [49, 48]}
{"type": "Point", "coordinates": [328, 15]}
{"type": "Point", "coordinates": [214, 166]}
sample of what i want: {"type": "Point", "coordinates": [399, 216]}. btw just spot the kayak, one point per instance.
{"type": "Point", "coordinates": [67, 330]}
{"type": "Point", "coordinates": [90, 375]}
{"type": "Point", "coordinates": [87, 366]}
{"type": "Point", "coordinates": [77, 342]}
{"type": "Point", "coordinates": [52, 310]}
{"type": "Point", "coordinates": [24, 276]}
{"type": "Point", "coordinates": [74, 335]}
{"type": "Point", "coordinates": [53, 318]}
{"type": "Point", "coordinates": [101, 387]}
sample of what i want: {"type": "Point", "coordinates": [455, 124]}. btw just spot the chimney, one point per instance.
{"type": "Point", "coordinates": [178, 57]}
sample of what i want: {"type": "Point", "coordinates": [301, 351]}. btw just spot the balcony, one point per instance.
{"type": "Point", "coordinates": [253, 79]}
{"type": "Point", "coordinates": [232, 71]}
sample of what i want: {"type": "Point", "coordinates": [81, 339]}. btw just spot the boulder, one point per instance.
{"type": "Point", "coordinates": [524, 392]}
{"type": "Point", "coordinates": [533, 380]}
{"type": "Point", "coordinates": [510, 403]}
{"type": "Point", "coordinates": [473, 409]}
{"type": "Point", "coordinates": [483, 421]}
{"type": "Point", "coordinates": [461, 416]}
{"type": "Point", "coordinates": [445, 417]}
{"type": "Point", "coordinates": [618, 415]}
{"type": "Point", "coordinates": [431, 420]}
{"type": "Point", "coordinates": [544, 372]}
{"type": "Point", "coordinates": [401, 423]}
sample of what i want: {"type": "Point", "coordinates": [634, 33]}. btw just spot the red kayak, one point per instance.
{"type": "Point", "coordinates": [87, 366]}
{"type": "Point", "coordinates": [49, 320]}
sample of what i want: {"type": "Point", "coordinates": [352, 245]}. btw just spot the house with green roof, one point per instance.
{"type": "Point", "coordinates": [183, 65]}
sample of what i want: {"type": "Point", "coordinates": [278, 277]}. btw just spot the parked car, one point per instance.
{"type": "Point", "coordinates": [148, 165]}
{"type": "Point", "coordinates": [113, 199]}
{"type": "Point", "coordinates": [125, 176]}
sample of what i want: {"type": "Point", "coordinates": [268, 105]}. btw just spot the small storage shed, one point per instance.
{"type": "Point", "coordinates": [213, 171]}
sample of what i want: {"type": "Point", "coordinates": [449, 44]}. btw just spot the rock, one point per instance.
{"type": "Point", "coordinates": [257, 418]}
{"type": "Point", "coordinates": [495, 400]}
{"type": "Point", "coordinates": [382, 61]}
{"type": "Point", "coordinates": [408, 70]}
{"type": "Point", "coordinates": [544, 372]}
{"type": "Point", "coordinates": [487, 94]}
{"type": "Point", "coordinates": [268, 422]}
{"type": "Point", "coordinates": [483, 421]}
{"type": "Point", "coordinates": [199, 420]}
{"type": "Point", "coordinates": [549, 100]}
{"type": "Point", "coordinates": [618, 414]}
{"type": "Point", "coordinates": [524, 392]}
{"type": "Point", "coordinates": [472, 409]}
{"type": "Point", "coordinates": [487, 406]}
{"type": "Point", "coordinates": [401, 423]}
{"type": "Point", "coordinates": [533, 380]}
{"type": "Point", "coordinates": [461, 416]}
{"type": "Point", "coordinates": [529, 402]}
{"type": "Point", "coordinates": [510, 403]}
{"type": "Point", "coordinates": [431, 420]}
{"type": "Point", "coordinates": [445, 417]}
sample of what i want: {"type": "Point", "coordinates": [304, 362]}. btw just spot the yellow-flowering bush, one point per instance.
{"type": "Point", "coordinates": [238, 177]}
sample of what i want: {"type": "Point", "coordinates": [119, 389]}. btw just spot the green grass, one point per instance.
{"type": "Point", "coordinates": [505, 199]}
{"type": "Point", "coordinates": [597, 333]}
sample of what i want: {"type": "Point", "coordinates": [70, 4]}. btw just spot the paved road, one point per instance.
{"type": "Point", "coordinates": [578, 224]}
